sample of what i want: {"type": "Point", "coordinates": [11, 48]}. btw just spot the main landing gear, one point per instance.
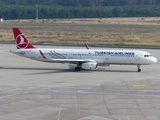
{"type": "Point", "coordinates": [77, 69]}
{"type": "Point", "coordinates": [139, 69]}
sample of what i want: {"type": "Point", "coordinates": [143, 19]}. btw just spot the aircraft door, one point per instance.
{"type": "Point", "coordinates": [31, 54]}
{"type": "Point", "coordinates": [137, 57]}
{"type": "Point", "coordinates": [70, 55]}
{"type": "Point", "coordinates": [79, 56]}
{"type": "Point", "coordinates": [126, 60]}
{"type": "Point", "coordinates": [106, 57]}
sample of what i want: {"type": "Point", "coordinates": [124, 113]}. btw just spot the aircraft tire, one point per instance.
{"type": "Point", "coordinates": [77, 68]}
{"type": "Point", "coordinates": [139, 70]}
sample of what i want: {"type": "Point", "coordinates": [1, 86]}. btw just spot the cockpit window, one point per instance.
{"type": "Point", "coordinates": [147, 55]}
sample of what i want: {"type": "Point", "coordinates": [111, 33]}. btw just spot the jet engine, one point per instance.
{"type": "Point", "coordinates": [90, 65]}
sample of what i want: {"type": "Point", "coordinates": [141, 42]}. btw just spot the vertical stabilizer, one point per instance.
{"type": "Point", "coordinates": [20, 40]}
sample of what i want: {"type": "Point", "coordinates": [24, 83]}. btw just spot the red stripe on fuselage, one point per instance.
{"type": "Point", "coordinates": [42, 54]}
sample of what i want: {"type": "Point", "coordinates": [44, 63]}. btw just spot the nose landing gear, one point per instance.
{"type": "Point", "coordinates": [139, 69]}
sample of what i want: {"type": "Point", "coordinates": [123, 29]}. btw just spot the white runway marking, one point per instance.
{"type": "Point", "coordinates": [22, 92]}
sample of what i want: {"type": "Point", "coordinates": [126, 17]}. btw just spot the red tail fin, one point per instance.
{"type": "Point", "coordinates": [21, 40]}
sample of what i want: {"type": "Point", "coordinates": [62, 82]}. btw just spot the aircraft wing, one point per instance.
{"type": "Point", "coordinates": [73, 60]}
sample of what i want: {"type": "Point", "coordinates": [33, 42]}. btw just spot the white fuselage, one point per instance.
{"type": "Point", "coordinates": [122, 57]}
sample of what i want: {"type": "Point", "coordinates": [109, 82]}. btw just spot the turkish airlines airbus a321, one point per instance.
{"type": "Point", "coordinates": [82, 58]}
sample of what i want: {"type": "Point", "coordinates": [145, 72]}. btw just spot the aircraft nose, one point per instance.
{"type": "Point", "coordinates": [154, 60]}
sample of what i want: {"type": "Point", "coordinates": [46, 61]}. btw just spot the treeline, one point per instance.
{"type": "Point", "coordinates": [50, 12]}
{"type": "Point", "coordinates": [82, 3]}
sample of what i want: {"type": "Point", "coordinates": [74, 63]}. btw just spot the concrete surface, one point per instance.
{"type": "Point", "coordinates": [32, 90]}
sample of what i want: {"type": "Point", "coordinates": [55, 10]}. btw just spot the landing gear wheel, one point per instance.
{"type": "Point", "coordinates": [77, 68]}
{"type": "Point", "coordinates": [139, 69]}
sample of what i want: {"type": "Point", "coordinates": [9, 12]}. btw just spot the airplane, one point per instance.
{"type": "Point", "coordinates": [88, 59]}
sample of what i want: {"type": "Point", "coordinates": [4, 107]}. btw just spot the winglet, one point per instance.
{"type": "Point", "coordinates": [20, 40]}
{"type": "Point", "coordinates": [87, 47]}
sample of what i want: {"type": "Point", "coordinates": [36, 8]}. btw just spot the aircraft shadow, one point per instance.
{"type": "Point", "coordinates": [52, 70]}
{"type": "Point", "coordinates": [45, 70]}
{"type": "Point", "coordinates": [24, 68]}
{"type": "Point", "coordinates": [55, 70]}
{"type": "Point", "coordinates": [107, 70]}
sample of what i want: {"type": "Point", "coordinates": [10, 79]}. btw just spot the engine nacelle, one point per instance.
{"type": "Point", "coordinates": [103, 65]}
{"type": "Point", "coordinates": [90, 65]}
